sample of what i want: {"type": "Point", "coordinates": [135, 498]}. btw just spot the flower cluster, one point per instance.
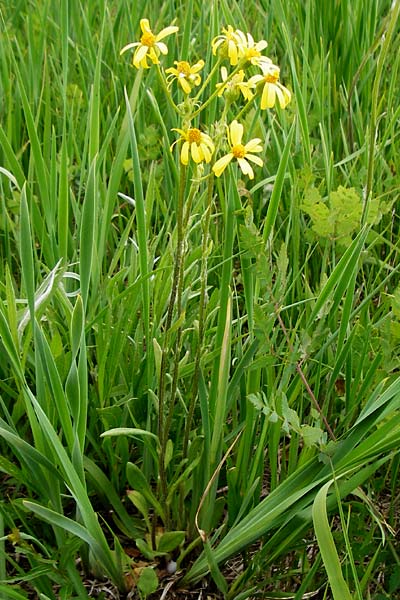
{"type": "Point", "coordinates": [238, 46]}
{"type": "Point", "coordinates": [241, 49]}
{"type": "Point", "coordinates": [243, 53]}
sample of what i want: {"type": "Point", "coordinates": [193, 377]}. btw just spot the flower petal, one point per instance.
{"type": "Point", "coordinates": [145, 26]}
{"type": "Point", "coordinates": [221, 164]}
{"type": "Point", "coordinates": [184, 85]}
{"type": "Point", "coordinates": [261, 45]}
{"type": "Point", "coordinates": [162, 47]}
{"type": "Point", "coordinates": [255, 159]}
{"type": "Point", "coordinates": [268, 96]}
{"type": "Point", "coordinates": [139, 55]}
{"type": "Point", "coordinates": [185, 153]}
{"type": "Point", "coordinates": [206, 153]}
{"type": "Point", "coordinates": [153, 56]}
{"type": "Point", "coordinates": [236, 131]}
{"type": "Point", "coordinates": [284, 96]}
{"type": "Point", "coordinates": [254, 145]}
{"type": "Point", "coordinates": [255, 79]}
{"type": "Point", "coordinates": [196, 153]}
{"type": "Point", "coordinates": [197, 66]}
{"type": "Point", "coordinates": [129, 46]}
{"type": "Point", "coordinates": [246, 168]}
{"type": "Point", "coordinates": [166, 31]}
{"type": "Point", "coordinates": [210, 144]}
{"type": "Point", "coordinates": [232, 52]}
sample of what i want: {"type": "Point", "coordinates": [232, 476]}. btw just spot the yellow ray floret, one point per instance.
{"type": "Point", "coordinates": [186, 75]}
{"type": "Point", "coordinates": [249, 49]}
{"type": "Point", "coordinates": [196, 144]}
{"type": "Point", "coordinates": [272, 89]}
{"type": "Point", "coordinates": [242, 152]}
{"type": "Point", "coordinates": [227, 44]}
{"type": "Point", "coordinates": [234, 86]}
{"type": "Point", "coordinates": [238, 46]}
{"type": "Point", "coordinates": [150, 45]}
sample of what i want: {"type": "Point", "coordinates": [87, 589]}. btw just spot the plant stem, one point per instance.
{"type": "Point", "coordinates": [175, 299]}
{"type": "Point", "coordinates": [202, 306]}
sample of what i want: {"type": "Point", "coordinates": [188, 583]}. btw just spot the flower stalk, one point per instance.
{"type": "Point", "coordinates": [175, 300]}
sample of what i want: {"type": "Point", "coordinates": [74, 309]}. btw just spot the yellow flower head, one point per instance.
{"type": "Point", "coordinates": [242, 152]}
{"type": "Point", "coordinates": [199, 144]}
{"type": "Point", "coordinates": [187, 76]}
{"type": "Point", "coordinates": [234, 86]}
{"type": "Point", "coordinates": [228, 44]}
{"type": "Point", "coordinates": [271, 87]}
{"type": "Point", "coordinates": [250, 50]}
{"type": "Point", "coordinates": [150, 45]}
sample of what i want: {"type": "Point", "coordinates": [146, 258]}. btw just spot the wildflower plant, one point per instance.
{"type": "Point", "coordinates": [206, 150]}
{"type": "Point", "coordinates": [164, 360]}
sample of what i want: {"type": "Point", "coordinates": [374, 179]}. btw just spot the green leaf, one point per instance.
{"type": "Point", "coordinates": [170, 540]}
{"type": "Point", "coordinates": [137, 480]}
{"type": "Point", "coordinates": [145, 549]}
{"type": "Point", "coordinates": [148, 582]}
{"type": "Point", "coordinates": [312, 436]}
{"type": "Point", "coordinates": [327, 547]}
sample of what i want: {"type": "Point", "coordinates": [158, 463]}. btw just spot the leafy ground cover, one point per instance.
{"type": "Point", "coordinates": [199, 299]}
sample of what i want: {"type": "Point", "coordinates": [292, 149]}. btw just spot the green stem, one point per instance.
{"type": "Point", "coordinates": [207, 80]}
{"type": "Point", "coordinates": [166, 90]}
{"type": "Point", "coordinates": [183, 217]}
{"type": "Point", "coordinates": [245, 108]}
{"type": "Point", "coordinates": [216, 91]}
{"type": "Point", "coordinates": [202, 306]}
{"type": "Point", "coordinates": [176, 294]}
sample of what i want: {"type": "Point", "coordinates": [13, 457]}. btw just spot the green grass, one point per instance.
{"type": "Point", "coordinates": [202, 368]}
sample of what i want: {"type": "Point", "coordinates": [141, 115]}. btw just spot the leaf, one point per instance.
{"type": "Point", "coordinates": [346, 212]}
{"type": "Point", "coordinates": [318, 211]}
{"type": "Point", "coordinates": [327, 547]}
{"type": "Point", "coordinates": [139, 501]}
{"type": "Point", "coordinates": [145, 549]}
{"type": "Point", "coordinates": [137, 480]}
{"type": "Point", "coordinates": [170, 540]}
{"type": "Point", "coordinates": [148, 582]}
{"type": "Point", "coordinates": [214, 569]}
{"type": "Point", "coordinates": [312, 436]}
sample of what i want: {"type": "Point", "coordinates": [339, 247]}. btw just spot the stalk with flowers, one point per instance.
{"type": "Point", "coordinates": [206, 153]}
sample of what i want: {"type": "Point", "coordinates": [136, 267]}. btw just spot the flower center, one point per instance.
{"type": "Point", "coordinates": [183, 68]}
{"type": "Point", "coordinates": [238, 151]}
{"type": "Point", "coordinates": [271, 78]}
{"type": "Point", "coordinates": [194, 135]}
{"type": "Point", "coordinates": [251, 53]}
{"type": "Point", "coordinates": [148, 39]}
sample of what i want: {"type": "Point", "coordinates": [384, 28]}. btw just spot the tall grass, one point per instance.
{"type": "Point", "coordinates": [202, 368]}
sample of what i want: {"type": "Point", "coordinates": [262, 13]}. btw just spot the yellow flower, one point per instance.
{"type": "Point", "coordinates": [228, 43]}
{"type": "Point", "coordinates": [250, 50]}
{"type": "Point", "coordinates": [187, 76]}
{"type": "Point", "coordinates": [272, 88]}
{"type": "Point", "coordinates": [150, 44]}
{"type": "Point", "coordinates": [234, 86]}
{"type": "Point", "coordinates": [242, 152]}
{"type": "Point", "coordinates": [199, 144]}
